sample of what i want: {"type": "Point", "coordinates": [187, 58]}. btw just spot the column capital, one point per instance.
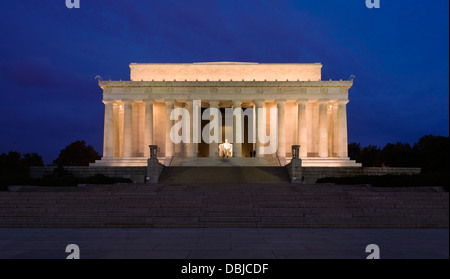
{"type": "Point", "coordinates": [342, 101]}
{"type": "Point", "coordinates": [302, 101]}
{"type": "Point", "coordinates": [324, 101]}
{"type": "Point", "coordinates": [150, 102]}
{"type": "Point", "coordinates": [108, 102]}
{"type": "Point", "coordinates": [280, 101]}
{"type": "Point", "coordinates": [126, 101]}
{"type": "Point", "coordinates": [214, 104]}
{"type": "Point", "coordinates": [259, 102]}
{"type": "Point", "coordinates": [188, 103]}
{"type": "Point", "coordinates": [169, 101]}
{"type": "Point", "coordinates": [237, 103]}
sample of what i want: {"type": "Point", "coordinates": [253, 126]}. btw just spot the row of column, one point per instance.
{"type": "Point", "coordinates": [339, 128]}
{"type": "Point", "coordinates": [339, 137]}
{"type": "Point", "coordinates": [127, 136]}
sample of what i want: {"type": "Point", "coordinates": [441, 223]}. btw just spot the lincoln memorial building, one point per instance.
{"type": "Point", "coordinates": [282, 105]}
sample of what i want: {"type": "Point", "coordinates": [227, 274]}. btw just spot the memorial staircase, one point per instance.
{"type": "Point", "coordinates": [216, 205]}
{"type": "Point", "coordinates": [225, 162]}
{"type": "Point", "coordinates": [228, 175]}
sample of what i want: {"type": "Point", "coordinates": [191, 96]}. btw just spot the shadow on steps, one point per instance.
{"type": "Point", "coordinates": [234, 175]}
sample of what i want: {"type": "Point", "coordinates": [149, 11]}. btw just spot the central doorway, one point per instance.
{"type": "Point", "coordinates": [247, 146]}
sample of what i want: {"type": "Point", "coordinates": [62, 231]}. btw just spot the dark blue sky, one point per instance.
{"type": "Point", "coordinates": [50, 55]}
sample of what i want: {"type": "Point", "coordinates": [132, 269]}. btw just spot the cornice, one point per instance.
{"type": "Point", "coordinates": [111, 84]}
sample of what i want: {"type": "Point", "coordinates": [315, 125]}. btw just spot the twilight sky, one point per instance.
{"type": "Point", "coordinates": [50, 55]}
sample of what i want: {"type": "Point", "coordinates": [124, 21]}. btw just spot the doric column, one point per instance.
{"type": "Point", "coordinates": [169, 124]}
{"type": "Point", "coordinates": [237, 128]}
{"type": "Point", "coordinates": [281, 105]}
{"type": "Point", "coordinates": [259, 123]}
{"type": "Point", "coordinates": [190, 146]}
{"type": "Point", "coordinates": [302, 130]}
{"type": "Point", "coordinates": [135, 129]}
{"type": "Point", "coordinates": [108, 136]}
{"type": "Point", "coordinates": [117, 151]}
{"type": "Point", "coordinates": [323, 129]}
{"type": "Point", "coordinates": [148, 130]}
{"type": "Point", "coordinates": [335, 129]}
{"type": "Point", "coordinates": [330, 129]}
{"type": "Point", "coordinates": [127, 129]}
{"type": "Point", "coordinates": [177, 147]}
{"type": "Point", "coordinates": [214, 146]}
{"type": "Point", "coordinates": [312, 116]}
{"type": "Point", "coordinates": [342, 151]}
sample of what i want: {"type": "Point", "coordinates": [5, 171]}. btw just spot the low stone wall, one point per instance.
{"type": "Point", "coordinates": [384, 171]}
{"type": "Point", "coordinates": [295, 171]}
{"type": "Point", "coordinates": [312, 174]}
{"type": "Point", "coordinates": [136, 174]}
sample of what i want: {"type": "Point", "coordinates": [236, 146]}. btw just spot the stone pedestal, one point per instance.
{"type": "Point", "coordinates": [294, 168]}
{"type": "Point", "coordinates": [154, 168]}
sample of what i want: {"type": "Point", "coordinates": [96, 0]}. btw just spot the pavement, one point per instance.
{"type": "Point", "coordinates": [208, 243]}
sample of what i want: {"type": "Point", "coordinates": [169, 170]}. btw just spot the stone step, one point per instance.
{"type": "Point", "coordinates": [207, 191]}
{"type": "Point", "coordinates": [239, 196]}
{"type": "Point", "coordinates": [262, 203]}
{"type": "Point", "coordinates": [229, 206]}
{"type": "Point", "coordinates": [222, 210]}
{"type": "Point", "coordinates": [230, 175]}
{"type": "Point", "coordinates": [225, 162]}
{"type": "Point", "coordinates": [314, 224]}
{"type": "Point", "coordinates": [225, 205]}
{"type": "Point", "coordinates": [427, 216]}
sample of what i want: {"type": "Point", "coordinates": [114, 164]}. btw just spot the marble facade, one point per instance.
{"type": "Point", "coordinates": [310, 112]}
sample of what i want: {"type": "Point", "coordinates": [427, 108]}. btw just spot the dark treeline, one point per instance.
{"type": "Point", "coordinates": [77, 153]}
{"type": "Point", "coordinates": [15, 167]}
{"type": "Point", "coordinates": [18, 163]}
{"type": "Point", "coordinates": [431, 153]}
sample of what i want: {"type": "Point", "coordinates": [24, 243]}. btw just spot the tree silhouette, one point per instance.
{"type": "Point", "coordinates": [432, 153]}
{"type": "Point", "coordinates": [32, 160]}
{"type": "Point", "coordinates": [398, 155]}
{"type": "Point", "coordinates": [77, 154]}
{"type": "Point", "coordinates": [354, 149]}
{"type": "Point", "coordinates": [16, 169]}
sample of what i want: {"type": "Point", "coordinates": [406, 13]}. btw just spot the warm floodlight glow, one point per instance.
{"type": "Point", "coordinates": [225, 71]}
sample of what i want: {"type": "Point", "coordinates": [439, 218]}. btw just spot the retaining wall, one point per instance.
{"type": "Point", "coordinates": [310, 174]}
{"type": "Point", "coordinates": [137, 174]}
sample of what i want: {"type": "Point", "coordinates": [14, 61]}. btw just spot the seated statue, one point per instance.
{"type": "Point", "coordinates": [225, 149]}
